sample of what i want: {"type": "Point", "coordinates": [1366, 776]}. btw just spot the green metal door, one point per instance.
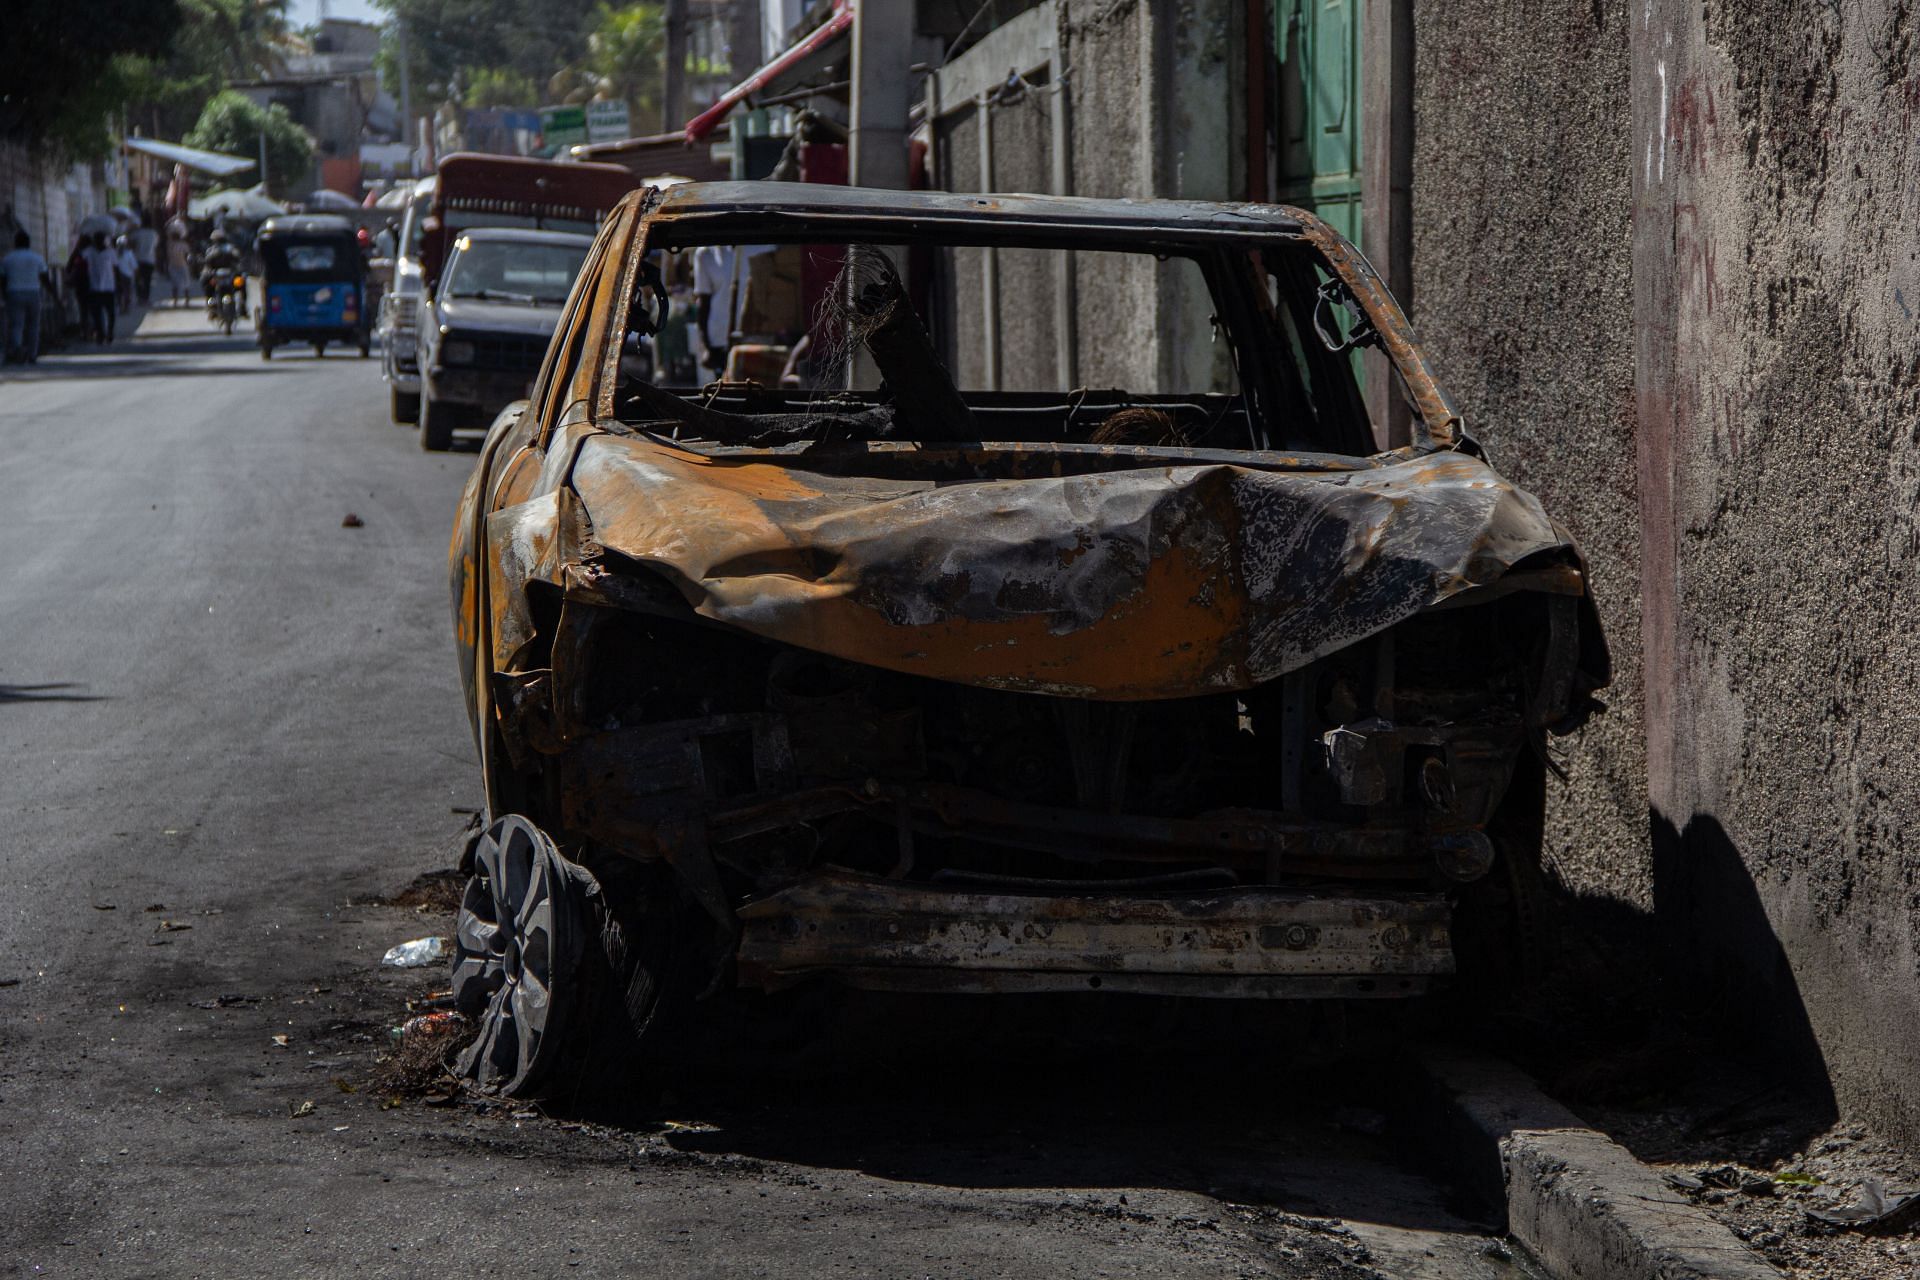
{"type": "Point", "coordinates": [1319, 50]}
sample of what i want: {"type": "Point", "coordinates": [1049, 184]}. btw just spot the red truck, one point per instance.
{"type": "Point", "coordinates": [515, 191]}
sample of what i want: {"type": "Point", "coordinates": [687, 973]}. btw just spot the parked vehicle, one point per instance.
{"type": "Point", "coordinates": [400, 311]}
{"type": "Point", "coordinates": [1187, 691]}
{"type": "Point", "coordinates": [479, 191]}
{"type": "Point", "coordinates": [313, 284]}
{"type": "Point", "coordinates": [488, 322]}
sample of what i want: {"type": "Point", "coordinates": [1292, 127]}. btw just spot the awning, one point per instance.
{"type": "Point", "coordinates": [816, 51]}
{"type": "Point", "coordinates": [657, 155]}
{"type": "Point", "coordinates": [212, 162]}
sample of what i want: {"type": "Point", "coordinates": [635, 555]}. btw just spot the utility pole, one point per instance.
{"type": "Point", "coordinates": [674, 91]}
{"type": "Point", "coordinates": [743, 40]}
{"type": "Point", "coordinates": [882, 71]}
{"type": "Point", "coordinates": [406, 98]}
{"type": "Point", "coordinates": [882, 62]}
{"type": "Point", "coordinates": [263, 163]}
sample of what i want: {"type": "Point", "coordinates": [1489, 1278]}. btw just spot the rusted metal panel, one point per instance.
{"type": "Point", "coordinates": [1149, 582]}
{"type": "Point", "coordinates": [833, 920]}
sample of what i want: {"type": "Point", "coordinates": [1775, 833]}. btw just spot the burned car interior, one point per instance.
{"type": "Point", "coordinates": [879, 677]}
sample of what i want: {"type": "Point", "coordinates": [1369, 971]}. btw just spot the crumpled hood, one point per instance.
{"type": "Point", "coordinates": [1146, 582]}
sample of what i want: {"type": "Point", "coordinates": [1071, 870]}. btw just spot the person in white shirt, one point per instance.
{"type": "Point", "coordinates": [25, 273]}
{"type": "Point", "coordinates": [103, 277]}
{"type": "Point", "coordinates": [179, 263]}
{"type": "Point", "coordinates": [146, 255]}
{"type": "Point", "coordinates": [126, 269]}
{"type": "Point", "coordinates": [719, 283]}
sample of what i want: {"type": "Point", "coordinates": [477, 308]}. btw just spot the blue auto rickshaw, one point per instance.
{"type": "Point", "coordinates": [313, 284]}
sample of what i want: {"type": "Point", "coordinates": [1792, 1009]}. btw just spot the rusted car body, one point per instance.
{"type": "Point", "coordinates": [939, 690]}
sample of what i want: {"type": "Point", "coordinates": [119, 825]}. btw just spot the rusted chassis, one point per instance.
{"type": "Point", "coordinates": [1017, 717]}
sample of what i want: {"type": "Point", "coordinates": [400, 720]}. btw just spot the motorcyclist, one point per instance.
{"type": "Point", "coordinates": [220, 259]}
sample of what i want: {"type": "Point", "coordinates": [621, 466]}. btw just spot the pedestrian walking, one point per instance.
{"type": "Point", "coordinates": [146, 255]}
{"type": "Point", "coordinates": [102, 263]}
{"type": "Point", "coordinates": [179, 262]}
{"type": "Point", "coordinates": [126, 271]}
{"type": "Point", "coordinates": [25, 273]}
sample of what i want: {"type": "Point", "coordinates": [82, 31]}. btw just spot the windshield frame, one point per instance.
{"type": "Point", "coordinates": [464, 249]}
{"type": "Point", "coordinates": [1232, 242]}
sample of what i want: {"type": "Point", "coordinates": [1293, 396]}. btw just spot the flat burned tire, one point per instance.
{"type": "Point", "coordinates": [560, 982]}
{"type": "Point", "coordinates": [519, 942]}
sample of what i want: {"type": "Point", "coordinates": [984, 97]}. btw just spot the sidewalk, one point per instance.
{"type": "Point", "coordinates": [142, 337]}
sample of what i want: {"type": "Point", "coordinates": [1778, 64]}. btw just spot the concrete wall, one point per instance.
{"type": "Point", "coordinates": [1138, 324]}
{"type": "Point", "coordinates": [1665, 255]}
{"type": "Point", "coordinates": [1522, 291]}
{"type": "Point", "coordinates": [47, 200]}
{"type": "Point", "coordinates": [1776, 172]}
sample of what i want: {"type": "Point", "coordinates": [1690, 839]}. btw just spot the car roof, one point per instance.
{"type": "Point", "coordinates": [522, 235]}
{"type": "Point", "coordinates": [307, 224]}
{"type": "Point", "coordinates": [718, 207]}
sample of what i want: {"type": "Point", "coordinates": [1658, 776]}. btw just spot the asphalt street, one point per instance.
{"type": "Point", "coordinates": [232, 732]}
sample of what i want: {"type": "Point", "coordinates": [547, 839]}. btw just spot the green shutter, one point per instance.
{"type": "Point", "coordinates": [1319, 51]}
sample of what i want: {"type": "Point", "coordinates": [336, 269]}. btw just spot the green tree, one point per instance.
{"type": "Point", "coordinates": [231, 122]}
{"type": "Point", "coordinates": [625, 50]}
{"type": "Point", "coordinates": [498, 87]}
{"type": "Point", "coordinates": [216, 42]}
{"type": "Point", "coordinates": [533, 37]}
{"type": "Point", "coordinates": [66, 66]}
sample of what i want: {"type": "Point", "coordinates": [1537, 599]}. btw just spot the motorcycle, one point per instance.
{"type": "Point", "coordinates": [225, 301]}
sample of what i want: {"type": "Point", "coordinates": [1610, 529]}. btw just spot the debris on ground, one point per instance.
{"type": "Point", "coordinates": [226, 1002]}
{"type": "Point", "coordinates": [415, 954]}
{"type": "Point", "coordinates": [424, 1047]}
{"type": "Point", "coordinates": [1843, 1205]}
{"type": "Point", "coordinates": [1874, 1210]}
{"type": "Point", "coordinates": [351, 521]}
{"type": "Point", "coordinates": [297, 1109]}
{"type": "Point", "coordinates": [430, 891]}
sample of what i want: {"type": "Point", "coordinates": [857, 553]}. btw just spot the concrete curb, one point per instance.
{"type": "Point", "coordinates": [1575, 1199]}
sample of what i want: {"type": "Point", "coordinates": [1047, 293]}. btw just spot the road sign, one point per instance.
{"type": "Point", "coordinates": [563, 127]}
{"type": "Point", "coordinates": [608, 122]}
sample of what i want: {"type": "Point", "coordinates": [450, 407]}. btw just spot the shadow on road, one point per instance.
{"type": "Point", "coordinates": [61, 692]}
{"type": "Point", "coordinates": [133, 367]}
{"type": "Point", "coordinates": [1283, 1105]}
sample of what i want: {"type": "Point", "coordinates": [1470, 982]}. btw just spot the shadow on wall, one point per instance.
{"type": "Point", "coordinates": [1689, 1010]}
{"type": "Point", "coordinates": [1724, 960]}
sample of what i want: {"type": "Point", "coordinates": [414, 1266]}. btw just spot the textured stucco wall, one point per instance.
{"type": "Point", "coordinates": [1665, 258]}
{"type": "Point", "coordinates": [1522, 292]}
{"type": "Point", "coordinates": [1776, 169]}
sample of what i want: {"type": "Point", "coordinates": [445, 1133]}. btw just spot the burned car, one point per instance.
{"type": "Point", "coordinates": [917, 687]}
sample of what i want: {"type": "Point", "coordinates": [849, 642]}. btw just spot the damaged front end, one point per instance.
{"type": "Point", "coordinates": [996, 691]}
{"type": "Point", "coordinates": [1204, 728]}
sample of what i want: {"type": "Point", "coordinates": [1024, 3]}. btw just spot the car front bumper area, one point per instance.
{"type": "Point", "coordinates": [401, 360]}
{"type": "Point", "coordinates": [484, 389]}
{"type": "Point", "coordinates": [1236, 943]}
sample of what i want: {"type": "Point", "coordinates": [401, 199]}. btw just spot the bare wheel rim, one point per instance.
{"type": "Point", "coordinates": [516, 954]}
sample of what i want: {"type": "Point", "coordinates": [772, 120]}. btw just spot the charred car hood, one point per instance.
{"type": "Point", "coordinates": [1141, 582]}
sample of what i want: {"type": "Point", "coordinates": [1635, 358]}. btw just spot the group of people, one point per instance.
{"type": "Point", "coordinates": [108, 274]}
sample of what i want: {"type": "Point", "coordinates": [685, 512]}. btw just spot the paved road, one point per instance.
{"type": "Point", "coordinates": [231, 726]}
